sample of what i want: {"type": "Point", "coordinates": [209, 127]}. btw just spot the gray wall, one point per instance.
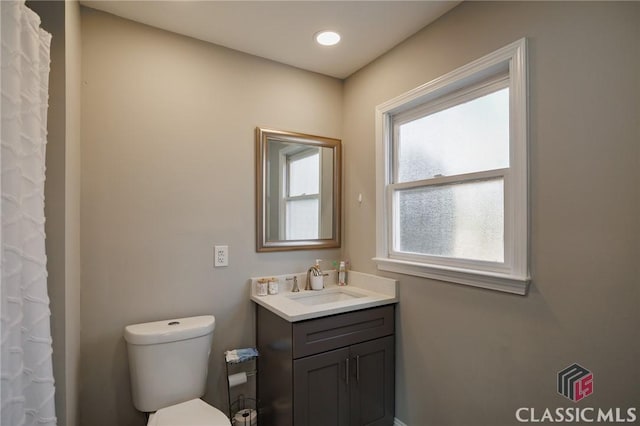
{"type": "Point", "coordinates": [73, 82]}
{"type": "Point", "coordinates": [470, 356]}
{"type": "Point", "coordinates": [62, 195]}
{"type": "Point", "coordinates": [167, 173]}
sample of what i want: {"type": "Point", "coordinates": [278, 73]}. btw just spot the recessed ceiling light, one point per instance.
{"type": "Point", "coordinates": [327, 38]}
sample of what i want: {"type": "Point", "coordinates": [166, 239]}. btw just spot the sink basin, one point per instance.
{"type": "Point", "coordinates": [324, 296]}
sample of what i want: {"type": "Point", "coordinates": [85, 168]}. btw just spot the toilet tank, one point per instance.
{"type": "Point", "coordinates": [168, 360]}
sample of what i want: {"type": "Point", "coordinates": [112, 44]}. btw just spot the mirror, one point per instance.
{"type": "Point", "coordinates": [298, 191]}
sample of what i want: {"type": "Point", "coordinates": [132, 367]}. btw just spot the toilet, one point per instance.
{"type": "Point", "coordinates": [168, 363]}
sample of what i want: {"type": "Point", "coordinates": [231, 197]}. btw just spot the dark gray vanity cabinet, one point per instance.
{"type": "Point", "coordinates": [348, 386]}
{"type": "Point", "coordinates": [321, 389]}
{"type": "Point", "coordinates": [330, 371]}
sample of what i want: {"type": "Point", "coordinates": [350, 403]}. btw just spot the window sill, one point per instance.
{"type": "Point", "coordinates": [487, 280]}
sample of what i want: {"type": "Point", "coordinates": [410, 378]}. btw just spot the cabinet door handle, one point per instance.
{"type": "Point", "coordinates": [346, 370]}
{"type": "Point", "coordinates": [357, 368]}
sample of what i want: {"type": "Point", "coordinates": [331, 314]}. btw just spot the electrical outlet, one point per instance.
{"type": "Point", "coordinates": [221, 256]}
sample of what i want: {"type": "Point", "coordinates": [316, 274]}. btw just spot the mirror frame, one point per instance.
{"type": "Point", "coordinates": [263, 135]}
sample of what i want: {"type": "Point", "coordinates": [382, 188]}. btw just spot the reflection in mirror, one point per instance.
{"type": "Point", "coordinates": [297, 191]}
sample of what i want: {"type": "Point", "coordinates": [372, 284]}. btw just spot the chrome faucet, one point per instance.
{"type": "Point", "coordinates": [295, 288]}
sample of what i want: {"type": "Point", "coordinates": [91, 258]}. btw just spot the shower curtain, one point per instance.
{"type": "Point", "coordinates": [26, 385]}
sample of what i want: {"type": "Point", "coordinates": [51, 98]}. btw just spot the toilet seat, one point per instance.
{"type": "Point", "coordinates": [195, 412]}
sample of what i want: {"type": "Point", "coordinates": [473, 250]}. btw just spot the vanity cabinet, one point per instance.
{"type": "Point", "coordinates": [331, 371]}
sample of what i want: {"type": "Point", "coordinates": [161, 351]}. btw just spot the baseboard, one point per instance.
{"type": "Point", "coordinates": [397, 422]}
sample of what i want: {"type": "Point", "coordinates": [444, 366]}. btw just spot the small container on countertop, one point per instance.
{"type": "Point", "coordinates": [262, 286]}
{"type": "Point", "coordinates": [273, 286]}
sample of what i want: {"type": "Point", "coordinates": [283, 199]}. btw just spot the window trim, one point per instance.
{"type": "Point", "coordinates": [513, 275]}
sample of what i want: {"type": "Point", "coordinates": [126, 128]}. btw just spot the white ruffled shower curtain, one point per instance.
{"type": "Point", "coordinates": [26, 385]}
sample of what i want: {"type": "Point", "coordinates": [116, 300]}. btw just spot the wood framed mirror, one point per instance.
{"type": "Point", "coordinates": [298, 191]}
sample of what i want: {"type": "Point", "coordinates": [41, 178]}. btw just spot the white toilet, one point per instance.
{"type": "Point", "coordinates": [168, 363]}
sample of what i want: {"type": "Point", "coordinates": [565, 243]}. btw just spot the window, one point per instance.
{"type": "Point", "coordinates": [452, 176]}
{"type": "Point", "coordinates": [302, 195]}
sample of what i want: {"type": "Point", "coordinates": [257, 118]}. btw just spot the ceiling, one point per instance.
{"type": "Point", "coordinates": [283, 30]}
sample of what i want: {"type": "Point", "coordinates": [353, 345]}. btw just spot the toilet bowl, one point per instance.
{"type": "Point", "coordinates": [195, 412]}
{"type": "Point", "coordinates": [168, 363]}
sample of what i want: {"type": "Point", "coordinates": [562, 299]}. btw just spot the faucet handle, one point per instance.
{"type": "Point", "coordinates": [295, 288]}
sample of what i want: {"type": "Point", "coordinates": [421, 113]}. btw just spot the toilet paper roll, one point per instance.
{"type": "Point", "coordinates": [245, 418]}
{"type": "Point", "coordinates": [237, 379]}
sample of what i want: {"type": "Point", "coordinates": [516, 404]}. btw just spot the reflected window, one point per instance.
{"type": "Point", "coordinates": [302, 195]}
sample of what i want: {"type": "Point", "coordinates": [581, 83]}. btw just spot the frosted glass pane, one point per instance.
{"type": "Point", "coordinates": [463, 221]}
{"type": "Point", "coordinates": [470, 137]}
{"type": "Point", "coordinates": [304, 175]}
{"type": "Point", "coordinates": [302, 219]}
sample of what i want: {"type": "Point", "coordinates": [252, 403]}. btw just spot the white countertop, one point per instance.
{"type": "Point", "coordinates": [369, 291]}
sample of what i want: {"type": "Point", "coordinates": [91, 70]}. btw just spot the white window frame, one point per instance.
{"type": "Point", "coordinates": [483, 75]}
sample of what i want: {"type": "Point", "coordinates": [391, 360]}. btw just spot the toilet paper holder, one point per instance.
{"type": "Point", "coordinates": [240, 378]}
{"type": "Point", "coordinates": [243, 408]}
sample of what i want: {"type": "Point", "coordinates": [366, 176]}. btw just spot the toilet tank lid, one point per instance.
{"type": "Point", "coordinates": [172, 330]}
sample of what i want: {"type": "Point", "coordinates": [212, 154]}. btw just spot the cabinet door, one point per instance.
{"type": "Point", "coordinates": [320, 383]}
{"type": "Point", "coordinates": [372, 382]}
